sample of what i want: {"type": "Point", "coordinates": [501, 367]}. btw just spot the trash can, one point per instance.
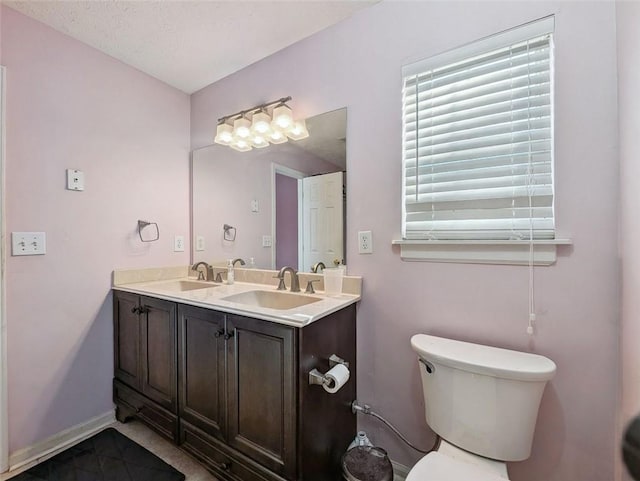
{"type": "Point", "coordinates": [367, 463]}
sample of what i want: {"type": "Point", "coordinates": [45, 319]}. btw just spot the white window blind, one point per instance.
{"type": "Point", "coordinates": [478, 140]}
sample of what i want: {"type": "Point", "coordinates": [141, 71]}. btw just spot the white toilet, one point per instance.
{"type": "Point", "coordinates": [483, 402]}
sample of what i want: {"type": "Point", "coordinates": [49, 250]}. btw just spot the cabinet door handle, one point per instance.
{"type": "Point", "coordinates": [219, 333]}
{"type": "Point", "coordinates": [135, 310]}
{"type": "Point", "coordinates": [225, 466]}
{"type": "Point", "coordinates": [228, 335]}
{"type": "Point", "coordinates": [144, 309]}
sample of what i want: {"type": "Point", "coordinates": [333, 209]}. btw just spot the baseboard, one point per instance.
{"type": "Point", "coordinates": [60, 441]}
{"type": "Point", "coordinates": [400, 471]}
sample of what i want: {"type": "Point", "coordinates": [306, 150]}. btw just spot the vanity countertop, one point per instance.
{"type": "Point", "coordinates": [212, 294]}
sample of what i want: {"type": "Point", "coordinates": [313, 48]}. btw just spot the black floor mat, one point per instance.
{"type": "Point", "coordinates": [107, 456]}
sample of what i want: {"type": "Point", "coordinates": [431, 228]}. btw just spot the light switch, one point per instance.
{"type": "Point", "coordinates": [28, 243]}
{"type": "Point", "coordinates": [200, 243]}
{"type": "Point", "coordinates": [75, 179]}
{"type": "Point", "coordinates": [266, 241]}
{"type": "Point", "coordinates": [254, 205]}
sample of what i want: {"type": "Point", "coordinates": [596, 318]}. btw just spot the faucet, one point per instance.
{"type": "Point", "coordinates": [295, 283]}
{"type": "Point", "coordinates": [237, 260]}
{"type": "Point", "coordinates": [317, 266]}
{"type": "Point", "coordinates": [202, 276]}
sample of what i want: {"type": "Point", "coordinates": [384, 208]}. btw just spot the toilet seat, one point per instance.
{"type": "Point", "coordinates": [438, 467]}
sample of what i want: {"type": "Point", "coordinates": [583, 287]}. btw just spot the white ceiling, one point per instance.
{"type": "Point", "coordinates": [189, 44]}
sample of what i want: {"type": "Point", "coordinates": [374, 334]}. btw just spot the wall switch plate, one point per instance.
{"type": "Point", "coordinates": [365, 242]}
{"type": "Point", "coordinates": [254, 205]}
{"type": "Point", "coordinates": [266, 241]}
{"type": "Point", "coordinates": [200, 243]}
{"type": "Point", "coordinates": [178, 243]}
{"type": "Point", "coordinates": [75, 179]}
{"type": "Point", "coordinates": [28, 243]}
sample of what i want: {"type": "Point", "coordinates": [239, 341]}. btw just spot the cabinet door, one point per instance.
{"type": "Point", "coordinates": [126, 339]}
{"type": "Point", "coordinates": [158, 351]}
{"type": "Point", "coordinates": [261, 392]}
{"type": "Point", "coordinates": [201, 355]}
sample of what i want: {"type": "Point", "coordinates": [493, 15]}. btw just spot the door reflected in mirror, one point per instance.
{"type": "Point", "coordinates": [286, 202]}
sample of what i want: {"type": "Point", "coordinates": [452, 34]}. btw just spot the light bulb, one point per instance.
{"type": "Point", "coordinates": [224, 134]}
{"type": "Point", "coordinates": [277, 137]}
{"type": "Point", "coordinates": [240, 145]}
{"type": "Point", "coordinates": [282, 117]}
{"type": "Point", "coordinates": [261, 123]}
{"type": "Point", "coordinates": [242, 128]}
{"type": "Point", "coordinates": [298, 131]}
{"type": "Point", "coordinates": [259, 142]}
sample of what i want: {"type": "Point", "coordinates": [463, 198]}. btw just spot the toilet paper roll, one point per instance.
{"type": "Point", "coordinates": [339, 375]}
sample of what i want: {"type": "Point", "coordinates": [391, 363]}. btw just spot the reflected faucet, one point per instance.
{"type": "Point", "coordinates": [237, 260]}
{"type": "Point", "coordinates": [295, 282]}
{"type": "Point", "coordinates": [208, 276]}
{"type": "Point", "coordinates": [317, 266]}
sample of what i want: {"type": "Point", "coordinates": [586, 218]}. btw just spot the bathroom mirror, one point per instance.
{"type": "Point", "coordinates": [281, 205]}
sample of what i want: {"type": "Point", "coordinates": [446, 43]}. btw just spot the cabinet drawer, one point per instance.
{"type": "Point", "coordinates": [159, 419]}
{"type": "Point", "coordinates": [222, 461]}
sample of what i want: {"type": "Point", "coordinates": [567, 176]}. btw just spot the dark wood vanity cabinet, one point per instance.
{"type": "Point", "coordinates": [145, 357]}
{"type": "Point", "coordinates": [245, 407]}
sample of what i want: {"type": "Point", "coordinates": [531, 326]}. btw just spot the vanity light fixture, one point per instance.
{"type": "Point", "coordinates": [277, 137]}
{"type": "Point", "coordinates": [242, 127]}
{"type": "Point", "coordinates": [224, 134]}
{"type": "Point", "coordinates": [261, 123]}
{"type": "Point", "coordinates": [298, 130]}
{"type": "Point", "coordinates": [256, 127]}
{"type": "Point", "coordinates": [282, 117]}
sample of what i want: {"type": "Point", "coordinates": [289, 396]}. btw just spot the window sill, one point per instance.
{"type": "Point", "coordinates": [510, 252]}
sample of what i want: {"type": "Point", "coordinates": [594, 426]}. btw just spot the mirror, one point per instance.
{"type": "Point", "coordinates": [282, 205]}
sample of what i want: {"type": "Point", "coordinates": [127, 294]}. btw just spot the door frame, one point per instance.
{"type": "Point", "coordinates": [289, 172]}
{"type": "Point", "coordinates": [4, 415]}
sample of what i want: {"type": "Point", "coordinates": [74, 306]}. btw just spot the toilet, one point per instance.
{"type": "Point", "coordinates": [483, 403]}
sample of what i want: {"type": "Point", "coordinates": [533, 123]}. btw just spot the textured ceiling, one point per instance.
{"type": "Point", "coordinates": [188, 44]}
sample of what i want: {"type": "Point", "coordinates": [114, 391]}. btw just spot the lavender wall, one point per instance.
{"type": "Point", "coordinates": [69, 106]}
{"type": "Point", "coordinates": [286, 221]}
{"type": "Point", "coordinates": [358, 64]}
{"type": "Point", "coordinates": [628, 19]}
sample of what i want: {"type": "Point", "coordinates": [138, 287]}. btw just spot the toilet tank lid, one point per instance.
{"type": "Point", "coordinates": [481, 359]}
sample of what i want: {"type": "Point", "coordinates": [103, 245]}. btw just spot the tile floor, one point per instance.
{"type": "Point", "coordinates": [159, 446]}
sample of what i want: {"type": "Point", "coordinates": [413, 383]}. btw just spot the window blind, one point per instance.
{"type": "Point", "coordinates": [478, 142]}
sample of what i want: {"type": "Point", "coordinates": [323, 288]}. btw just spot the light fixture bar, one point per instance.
{"type": "Point", "coordinates": [242, 113]}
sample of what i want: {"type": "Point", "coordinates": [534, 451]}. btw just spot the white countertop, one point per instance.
{"type": "Point", "coordinates": [211, 298]}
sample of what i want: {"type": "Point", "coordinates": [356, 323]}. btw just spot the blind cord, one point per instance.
{"type": "Point", "coordinates": [532, 306]}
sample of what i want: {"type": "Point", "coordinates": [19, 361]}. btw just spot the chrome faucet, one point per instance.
{"type": "Point", "coordinates": [295, 282]}
{"type": "Point", "coordinates": [208, 276]}
{"type": "Point", "coordinates": [317, 266]}
{"type": "Point", "coordinates": [241, 261]}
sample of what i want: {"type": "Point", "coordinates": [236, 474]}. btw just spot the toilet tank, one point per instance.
{"type": "Point", "coordinates": [482, 399]}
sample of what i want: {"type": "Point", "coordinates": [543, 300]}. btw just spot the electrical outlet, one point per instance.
{"type": "Point", "coordinates": [365, 242]}
{"type": "Point", "coordinates": [178, 243]}
{"type": "Point", "coordinates": [28, 243]}
{"type": "Point", "coordinates": [254, 206]}
{"type": "Point", "coordinates": [200, 243]}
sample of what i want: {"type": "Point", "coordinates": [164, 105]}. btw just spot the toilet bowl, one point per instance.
{"type": "Point", "coordinates": [483, 403]}
{"type": "Point", "coordinates": [450, 463]}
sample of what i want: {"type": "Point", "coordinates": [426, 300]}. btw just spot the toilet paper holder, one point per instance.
{"type": "Point", "coordinates": [316, 377]}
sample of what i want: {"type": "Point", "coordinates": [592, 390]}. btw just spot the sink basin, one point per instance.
{"type": "Point", "coordinates": [272, 299]}
{"type": "Point", "coordinates": [182, 286]}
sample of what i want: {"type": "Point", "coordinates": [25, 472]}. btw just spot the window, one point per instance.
{"type": "Point", "coordinates": [478, 140]}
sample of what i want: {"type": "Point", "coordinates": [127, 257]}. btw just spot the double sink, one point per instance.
{"type": "Point", "coordinates": [278, 300]}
